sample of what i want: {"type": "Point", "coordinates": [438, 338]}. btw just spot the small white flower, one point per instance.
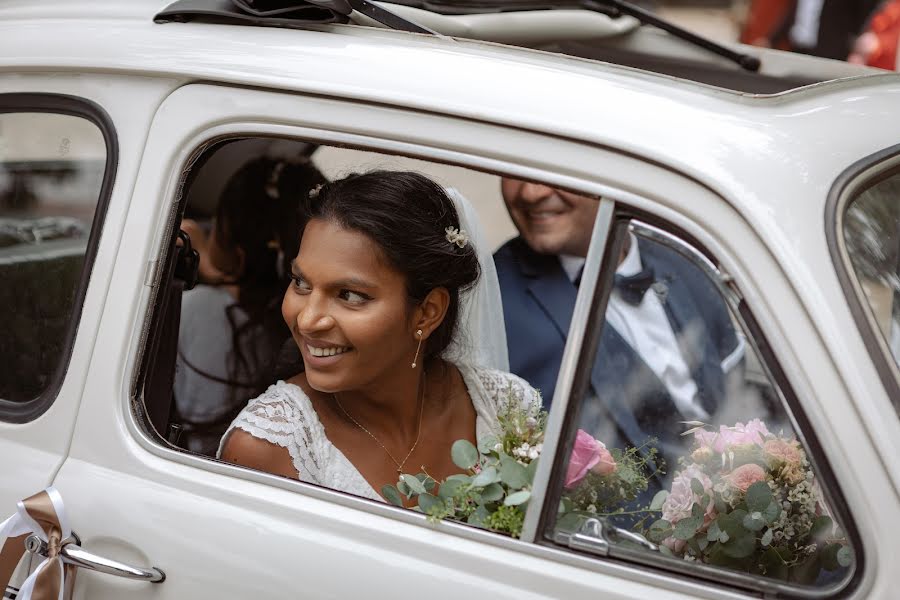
{"type": "Point", "coordinates": [314, 192]}
{"type": "Point", "coordinates": [531, 422]}
{"type": "Point", "coordinates": [533, 453]}
{"type": "Point", "coordinates": [457, 236]}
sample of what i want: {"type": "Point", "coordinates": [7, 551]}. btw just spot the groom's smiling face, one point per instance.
{"type": "Point", "coordinates": [347, 309]}
{"type": "Point", "coordinates": [551, 221]}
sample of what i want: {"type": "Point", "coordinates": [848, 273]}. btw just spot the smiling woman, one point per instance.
{"type": "Point", "coordinates": [373, 305]}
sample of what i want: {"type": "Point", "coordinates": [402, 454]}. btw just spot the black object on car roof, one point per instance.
{"type": "Point", "coordinates": [287, 13]}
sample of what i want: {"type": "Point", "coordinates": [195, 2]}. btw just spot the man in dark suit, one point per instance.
{"type": "Point", "coordinates": [668, 342]}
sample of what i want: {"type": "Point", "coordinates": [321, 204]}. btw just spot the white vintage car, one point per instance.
{"type": "Point", "coordinates": [778, 178]}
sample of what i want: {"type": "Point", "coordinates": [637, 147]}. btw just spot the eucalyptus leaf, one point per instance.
{"type": "Point", "coordinates": [845, 556]}
{"type": "Point", "coordinates": [517, 498]}
{"type": "Point", "coordinates": [392, 494]}
{"type": "Point", "coordinates": [658, 500]}
{"type": "Point", "coordinates": [487, 444]}
{"type": "Point", "coordinates": [492, 493]}
{"type": "Point", "coordinates": [659, 530]}
{"type": "Point", "coordinates": [697, 486]}
{"type": "Point", "coordinates": [465, 479]}
{"type": "Point", "coordinates": [403, 488]}
{"type": "Point", "coordinates": [415, 486]}
{"type": "Point", "coordinates": [772, 512]}
{"type": "Point", "coordinates": [513, 474]}
{"type": "Point", "coordinates": [449, 488]}
{"type": "Point", "coordinates": [821, 527]}
{"type": "Point", "coordinates": [530, 470]}
{"type": "Point", "coordinates": [759, 496]}
{"type": "Point", "coordinates": [754, 521]}
{"type": "Point", "coordinates": [487, 476]}
{"type": "Point", "coordinates": [712, 533]}
{"type": "Point", "coordinates": [427, 503]}
{"type": "Point", "coordinates": [479, 517]}
{"type": "Point", "coordinates": [464, 454]}
{"type": "Point", "coordinates": [740, 547]}
{"type": "Point", "coordinates": [686, 528]}
{"type": "Point", "coordinates": [766, 539]}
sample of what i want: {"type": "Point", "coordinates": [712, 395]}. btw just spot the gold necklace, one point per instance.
{"type": "Point", "coordinates": [383, 447]}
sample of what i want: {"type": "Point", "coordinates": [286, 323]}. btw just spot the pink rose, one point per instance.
{"type": "Point", "coordinates": [745, 476]}
{"type": "Point", "coordinates": [588, 454]}
{"type": "Point", "coordinates": [682, 498]}
{"type": "Point", "coordinates": [754, 432]}
{"type": "Point", "coordinates": [782, 451]}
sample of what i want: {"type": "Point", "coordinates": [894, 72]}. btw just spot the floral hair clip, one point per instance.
{"type": "Point", "coordinates": [457, 236]}
{"type": "Point", "coordinates": [314, 192]}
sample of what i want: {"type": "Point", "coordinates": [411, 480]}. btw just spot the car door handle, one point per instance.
{"type": "Point", "coordinates": [75, 555]}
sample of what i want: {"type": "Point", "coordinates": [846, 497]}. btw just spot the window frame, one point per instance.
{"type": "Point", "coordinates": [64, 104]}
{"type": "Point", "coordinates": [594, 297]}
{"type": "Point", "coordinates": [858, 177]}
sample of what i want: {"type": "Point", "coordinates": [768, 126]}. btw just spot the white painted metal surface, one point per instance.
{"type": "Point", "coordinates": [747, 176]}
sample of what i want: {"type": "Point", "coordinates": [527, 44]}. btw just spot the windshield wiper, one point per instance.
{"type": "Point", "coordinates": [615, 8]}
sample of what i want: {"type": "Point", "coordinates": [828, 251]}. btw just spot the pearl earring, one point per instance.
{"type": "Point", "coordinates": [419, 347]}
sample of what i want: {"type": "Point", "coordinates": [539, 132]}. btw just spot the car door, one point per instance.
{"type": "Point", "coordinates": [217, 530]}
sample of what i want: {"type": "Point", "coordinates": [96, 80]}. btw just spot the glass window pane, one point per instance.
{"type": "Point", "coordinates": [683, 438]}
{"type": "Point", "coordinates": [51, 170]}
{"type": "Point", "coordinates": [872, 236]}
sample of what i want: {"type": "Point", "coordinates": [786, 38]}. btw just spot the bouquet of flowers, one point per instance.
{"type": "Point", "coordinates": [495, 487]}
{"type": "Point", "coordinates": [747, 499]}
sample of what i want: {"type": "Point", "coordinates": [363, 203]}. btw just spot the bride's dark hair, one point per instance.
{"type": "Point", "coordinates": [407, 215]}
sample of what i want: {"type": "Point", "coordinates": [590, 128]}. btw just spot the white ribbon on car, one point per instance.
{"type": "Point", "coordinates": [42, 515]}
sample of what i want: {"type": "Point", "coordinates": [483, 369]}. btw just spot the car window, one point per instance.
{"type": "Point", "coordinates": [51, 173]}
{"type": "Point", "coordinates": [871, 232]}
{"type": "Point", "coordinates": [682, 450]}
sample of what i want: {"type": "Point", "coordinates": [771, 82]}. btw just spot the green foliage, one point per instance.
{"type": "Point", "coordinates": [464, 454]}
{"type": "Point", "coordinates": [494, 490]}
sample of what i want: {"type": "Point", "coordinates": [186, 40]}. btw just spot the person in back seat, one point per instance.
{"type": "Point", "coordinates": [231, 327]}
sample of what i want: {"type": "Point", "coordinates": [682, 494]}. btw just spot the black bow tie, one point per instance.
{"type": "Point", "coordinates": [633, 287]}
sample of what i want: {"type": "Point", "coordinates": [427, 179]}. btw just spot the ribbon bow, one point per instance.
{"type": "Point", "coordinates": [44, 516]}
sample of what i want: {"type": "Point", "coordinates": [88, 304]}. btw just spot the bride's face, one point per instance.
{"type": "Point", "coordinates": [347, 309]}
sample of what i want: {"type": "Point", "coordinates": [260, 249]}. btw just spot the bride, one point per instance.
{"type": "Point", "coordinates": [399, 324]}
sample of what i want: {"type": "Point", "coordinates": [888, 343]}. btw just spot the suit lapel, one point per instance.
{"type": "Point", "coordinates": [556, 296]}
{"type": "Point", "coordinates": [549, 285]}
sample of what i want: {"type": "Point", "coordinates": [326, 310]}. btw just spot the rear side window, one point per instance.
{"type": "Point", "coordinates": [52, 174]}
{"type": "Point", "coordinates": [872, 237]}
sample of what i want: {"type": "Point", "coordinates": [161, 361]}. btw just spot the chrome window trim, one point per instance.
{"type": "Point", "coordinates": [854, 180]}
{"type": "Point", "coordinates": [570, 361]}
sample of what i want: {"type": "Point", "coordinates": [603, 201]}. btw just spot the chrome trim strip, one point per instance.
{"type": "Point", "coordinates": [566, 377]}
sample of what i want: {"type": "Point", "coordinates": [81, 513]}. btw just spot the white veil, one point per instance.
{"type": "Point", "coordinates": [481, 336]}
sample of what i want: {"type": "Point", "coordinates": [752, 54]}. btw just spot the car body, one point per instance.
{"type": "Point", "coordinates": [756, 180]}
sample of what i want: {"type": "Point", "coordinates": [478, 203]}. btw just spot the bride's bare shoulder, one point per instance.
{"type": "Point", "coordinates": [242, 448]}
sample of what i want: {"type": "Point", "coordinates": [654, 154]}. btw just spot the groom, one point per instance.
{"type": "Point", "coordinates": [667, 347]}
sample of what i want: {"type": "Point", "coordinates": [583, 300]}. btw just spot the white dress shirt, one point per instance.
{"type": "Point", "coordinates": [646, 328]}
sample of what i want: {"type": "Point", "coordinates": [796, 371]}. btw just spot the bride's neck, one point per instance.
{"type": "Point", "coordinates": [391, 407]}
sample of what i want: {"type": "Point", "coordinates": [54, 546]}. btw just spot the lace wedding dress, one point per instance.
{"type": "Point", "coordinates": [283, 415]}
